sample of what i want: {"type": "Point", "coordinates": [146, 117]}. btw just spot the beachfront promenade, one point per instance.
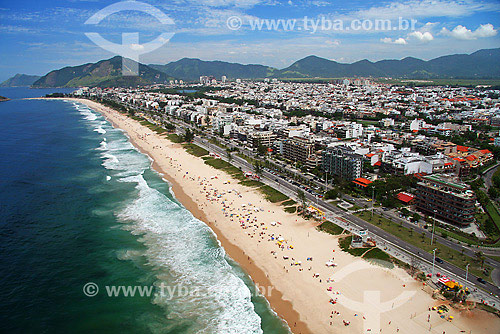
{"type": "Point", "coordinates": [400, 249]}
{"type": "Point", "coordinates": [395, 246]}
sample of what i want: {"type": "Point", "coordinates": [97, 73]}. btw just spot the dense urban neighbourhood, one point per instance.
{"type": "Point", "coordinates": [423, 157]}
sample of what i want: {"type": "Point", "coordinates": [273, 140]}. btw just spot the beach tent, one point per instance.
{"type": "Point", "coordinates": [443, 280]}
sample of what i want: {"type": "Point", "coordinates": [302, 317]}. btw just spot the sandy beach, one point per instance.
{"type": "Point", "coordinates": [286, 255]}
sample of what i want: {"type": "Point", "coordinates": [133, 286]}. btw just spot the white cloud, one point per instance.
{"type": "Point", "coordinates": [427, 8]}
{"type": "Point", "coordinates": [388, 40]}
{"type": "Point", "coordinates": [421, 36]}
{"type": "Point", "coordinates": [461, 32]}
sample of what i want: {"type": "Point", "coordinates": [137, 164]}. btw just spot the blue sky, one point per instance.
{"type": "Point", "coordinates": [39, 36]}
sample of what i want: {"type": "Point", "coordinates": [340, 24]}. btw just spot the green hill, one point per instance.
{"type": "Point", "coordinates": [191, 69]}
{"type": "Point", "coordinates": [20, 80]}
{"type": "Point", "coordinates": [105, 73]}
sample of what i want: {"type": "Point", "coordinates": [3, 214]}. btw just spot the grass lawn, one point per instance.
{"type": "Point", "coordinates": [226, 167]}
{"type": "Point", "coordinates": [492, 210]}
{"type": "Point", "coordinates": [195, 150]}
{"type": "Point", "coordinates": [331, 228]}
{"type": "Point", "coordinates": [174, 138]}
{"type": "Point", "coordinates": [251, 183]}
{"type": "Point", "coordinates": [377, 254]}
{"type": "Point", "coordinates": [291, 209]}
{"type": "Point", "coordinates": [289, 202]}
{"type": "Point", "coordinates": [154, 127]}
{"type": "Point", "coordinates": [496, 258]}
{"type": "Point", "coordinates": [423, 242]}
{"type": "Point", "coordinates": [272, 195]}
{"type": "Point", "coordinates": [456, 236]}
{"type": "Point", "coordinates": [355, 208]}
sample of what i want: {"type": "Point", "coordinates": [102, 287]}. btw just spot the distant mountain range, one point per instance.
{"type": "Point", "coordinates": [191, 69]}
{"type": "Point", "coordinates": [20, 80]}
{"type": "Point", "coordinates": [482, 64]}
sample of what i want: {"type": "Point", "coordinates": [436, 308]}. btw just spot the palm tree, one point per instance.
{"type": "Point", "coordinates": [480, 258]}
{"type": "Point", "coordinates": [229, 156]}
{"type": "Point", "coordinates": [257, 167]}
{"type": "Point", "coordinates": [188, 136]}
{"type": "Point", "coordinates": [302, 198]}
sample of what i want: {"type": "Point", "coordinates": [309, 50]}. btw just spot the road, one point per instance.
{"type": "Point", "coordinates": [488, 175]}
{"type": "Point", "coordinates": [291, 191]}
{"type": "Point", "coordinates": [332, 211]}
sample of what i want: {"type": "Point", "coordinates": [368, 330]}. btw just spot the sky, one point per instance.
{"type": "Point", "coordinates": [39, 36]}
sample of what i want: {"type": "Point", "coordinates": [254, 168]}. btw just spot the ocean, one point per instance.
{"type": "Point", "coordinates": [81, 208]}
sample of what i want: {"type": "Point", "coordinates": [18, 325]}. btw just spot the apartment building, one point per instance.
{"type": "Point", "coordinates": [261, 138]}
{"type": "Point", "coordinates": [298, 149]}
{"type": "Point", "coordinates": [343, 162]}
{"type": "Point", "coordinates": [446, 199]}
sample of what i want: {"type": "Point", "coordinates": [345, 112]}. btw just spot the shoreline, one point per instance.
{"type": "Point", "coordinates": [283, 308]}
{"type": "Point", "coordinates": [297, 298]}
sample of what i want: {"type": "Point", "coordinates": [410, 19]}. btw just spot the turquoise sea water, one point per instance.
{"type": "Point", "coordinates": [79, 204]}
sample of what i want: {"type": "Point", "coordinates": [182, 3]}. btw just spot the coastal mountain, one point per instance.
{"type": "Point", "coordinates": [20, 80]}
{"type": "Point", "coordinates": [105, 73]}
{"type": "Point", "coordinates": [191, 69]}
{"type": "Point", "coordinates": [482, 64]}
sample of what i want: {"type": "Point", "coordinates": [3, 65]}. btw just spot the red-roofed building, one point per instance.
{"type": "Point", "coordinates": [462, 148]}
{"type": "Point", "coordinates": [405, 197]}
{"type": "Point", "coordinates": [471, 157]}
{"type": "Point", "coordinates": [463, 167]}
{"type": "Point", "coordinates": [362, 182]}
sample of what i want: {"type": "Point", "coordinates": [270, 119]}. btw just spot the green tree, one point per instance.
{"type": "Point", "coordinates": [493, 192]}
{"type": "Point", "coordinates": [480, 258]}
{"type": "Point", "coordinates": [229, 155]}
{"type": "Point", "coordinates": [332, 194]}
{"type": "Point", "coordinates": [302, 199]}
{"type": "Point", "coordinates": [188, 136]}
{"type": "Point", "coordinates": [257, 168]}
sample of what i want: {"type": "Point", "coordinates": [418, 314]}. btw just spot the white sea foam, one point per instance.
{"type": "Point", "coordinates": [184, 247]}
{"type": "Point", "coordinates": [181, 248]}
{"type": "Point", "coordinates": [100, 130]}
{"type": "Point", "coordinates": [102, 145]}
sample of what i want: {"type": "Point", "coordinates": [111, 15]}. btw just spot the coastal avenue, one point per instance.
{"type": "Point", "coordinates": [290, 190]}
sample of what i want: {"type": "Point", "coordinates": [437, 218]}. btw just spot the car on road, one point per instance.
{"type": "Point", "coordinates": [480, 280]}
{"type": "Point", "coordinates": [438, 260]}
